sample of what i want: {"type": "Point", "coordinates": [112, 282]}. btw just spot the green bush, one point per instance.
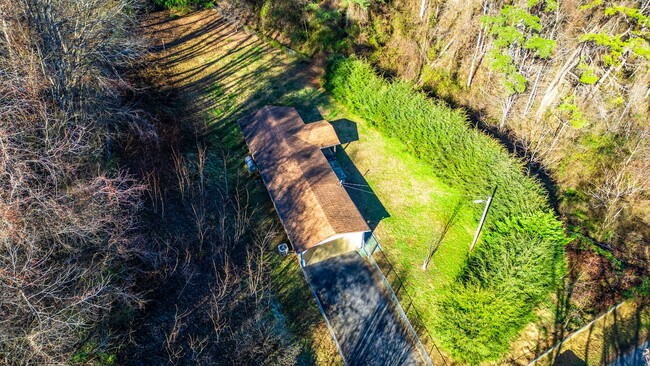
{"type": "Point", "coordinates": [479, 322]}
{"type": "Point", "coordinates": [522, 256]}
{"type": "Point", "coordinates": [522, 251]}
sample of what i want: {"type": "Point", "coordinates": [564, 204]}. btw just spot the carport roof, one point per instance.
{"type": "Point", "coordinates": [311, 203]}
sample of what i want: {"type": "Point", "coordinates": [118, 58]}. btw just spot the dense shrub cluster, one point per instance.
{"type": "Point", "coordinates": [521, 256]}
{"type": "Point", "coordinates": [67, 213]}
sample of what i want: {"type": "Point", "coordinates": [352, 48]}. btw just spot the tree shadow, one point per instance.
{"type": "Point", "coordinates": [617, 339]}
{"type": "Point", "coordinates": [568, 358]}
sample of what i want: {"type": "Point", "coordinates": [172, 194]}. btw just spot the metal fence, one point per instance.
{"type": "Point", "coordinates": [396, 281]}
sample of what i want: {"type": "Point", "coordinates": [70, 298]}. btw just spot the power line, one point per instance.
{"type": "Point", "coordinates": [358, 189]}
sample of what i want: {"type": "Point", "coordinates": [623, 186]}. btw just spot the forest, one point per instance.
{"type": "Point", "coordinates": [131, 233]}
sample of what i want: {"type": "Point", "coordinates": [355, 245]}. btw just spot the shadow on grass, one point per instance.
{"type": "Point", "coordinates": [371, 208]}
{"type": "Point", "coordinates": [568, 358]}
{"type": "Point", "coordinates": [618, 339]}
{"type": "Point", "coordinates": [346, 130]}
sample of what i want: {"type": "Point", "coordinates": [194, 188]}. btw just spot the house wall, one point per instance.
{"type": "Point", "coordinates": [346, 243]}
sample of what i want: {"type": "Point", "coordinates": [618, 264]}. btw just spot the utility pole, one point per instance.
{"type": "Point", "coordinates": [487, 201]}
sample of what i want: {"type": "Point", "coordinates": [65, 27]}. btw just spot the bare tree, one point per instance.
{"type": "Point", "coordinates": [66, 222]}
{"type": "Point", "coordinates": [624, 181]}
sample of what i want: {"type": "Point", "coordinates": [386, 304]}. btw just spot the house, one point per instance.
{"type": "Point", "coordinates": [319, 217]}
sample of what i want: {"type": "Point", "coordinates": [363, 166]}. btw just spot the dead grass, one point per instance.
{"type": "Point", "coordinates": [605, 339]}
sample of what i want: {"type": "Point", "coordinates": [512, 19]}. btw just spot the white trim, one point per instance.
{"type": "Point", "coordinates": [339, 236]}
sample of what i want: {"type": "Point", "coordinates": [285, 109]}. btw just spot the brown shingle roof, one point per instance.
{"type": "Point", "coordinates": [310, 201]}
{"type": "Point", "coordinates": [320, 134]}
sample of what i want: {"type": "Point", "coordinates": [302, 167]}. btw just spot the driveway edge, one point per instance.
{"type": "Point", "coordinates": [322, 311]}
{"type": "Point", "coordinates": [400, 311]}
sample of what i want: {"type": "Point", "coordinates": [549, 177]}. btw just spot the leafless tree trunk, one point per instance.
{"type": "Point", "coordinates": [479, 50]}
{"type": "Point", "coordinates": [624, 181]}
{"type": "Point", "coordinates": [66, 223]}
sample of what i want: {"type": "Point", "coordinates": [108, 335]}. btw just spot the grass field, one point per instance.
{"type": "Point", "coordinates": [227, 73]}
{"type": "Point", "coordinates": [408, 208]}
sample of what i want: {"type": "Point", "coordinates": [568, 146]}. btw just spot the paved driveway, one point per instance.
{"type": "Point", "coordinates": [360, 313]}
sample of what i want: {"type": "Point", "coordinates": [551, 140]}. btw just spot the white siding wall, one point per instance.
{"type": "Point", "coordinates": [346, 243]}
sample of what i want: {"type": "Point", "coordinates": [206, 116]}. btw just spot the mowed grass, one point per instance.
{"type": "Point", "coordinates": [410, 207]}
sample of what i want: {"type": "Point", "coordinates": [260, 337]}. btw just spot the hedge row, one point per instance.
{"type": "Point", "coordinates": [520, 258]}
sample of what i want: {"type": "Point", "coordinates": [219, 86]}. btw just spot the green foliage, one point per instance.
{"type": "Point", "coordinates": [378, 32]}
{"type": "Point", "coordinates": [326, 32]}
{"type": "Point", "coordinates": [521, 256]}
{"type": "Point", "coordinates": [630, 13]}
{"type": "Point", "coordinates": [640, 291]}
{"type": "Point", "coordinates": [478, 322]}
{"type": "Point", "coordinates": [364, 4]}
{"type": "Point", "coordinates": [522, 252]}
{"type": "Point", "coordinates": [512, 79]}
{"type": "Point", "coordinates": [542, 46]}
{"type": "Point", "coordinates": [591, 5]}
{"type": "Point", "coordinates": [516, 27]}
{"type": "Point", "coordinates": [635, 40]}
{"type": "Point", "coordinates": [310, 27]}
{"type": "Point", "coordinates": [183, 5]}
{"type": "Point", "coordinates": [551, 6]}
{"type": "Point", "coordinates": [89, 354]}
{"type": "Point", "coordinates": [571, 112]}
{"type": "Point", "coordinates": [588, 75]}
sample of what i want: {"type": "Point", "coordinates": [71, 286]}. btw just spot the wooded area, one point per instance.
{"type": "Point", "coordinates": [121, 235]}
{"type": "Point", "coordinates": [127, 229]}
{"type": "Point", "coordinates": [67, 214]}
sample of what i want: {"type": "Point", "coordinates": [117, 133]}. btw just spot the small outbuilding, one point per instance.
{"type": "Point", "coordinates": [318, 215]}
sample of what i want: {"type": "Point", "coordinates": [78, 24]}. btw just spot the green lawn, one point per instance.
{"type": "Point", "coordinates": [409, 207]}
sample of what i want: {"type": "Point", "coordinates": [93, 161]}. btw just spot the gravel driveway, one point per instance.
{"type": "Point", "coordinates": [360, 313]}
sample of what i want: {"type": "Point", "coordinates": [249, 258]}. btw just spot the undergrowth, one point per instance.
{"type": "Point", "coordinates": [520, 259]}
